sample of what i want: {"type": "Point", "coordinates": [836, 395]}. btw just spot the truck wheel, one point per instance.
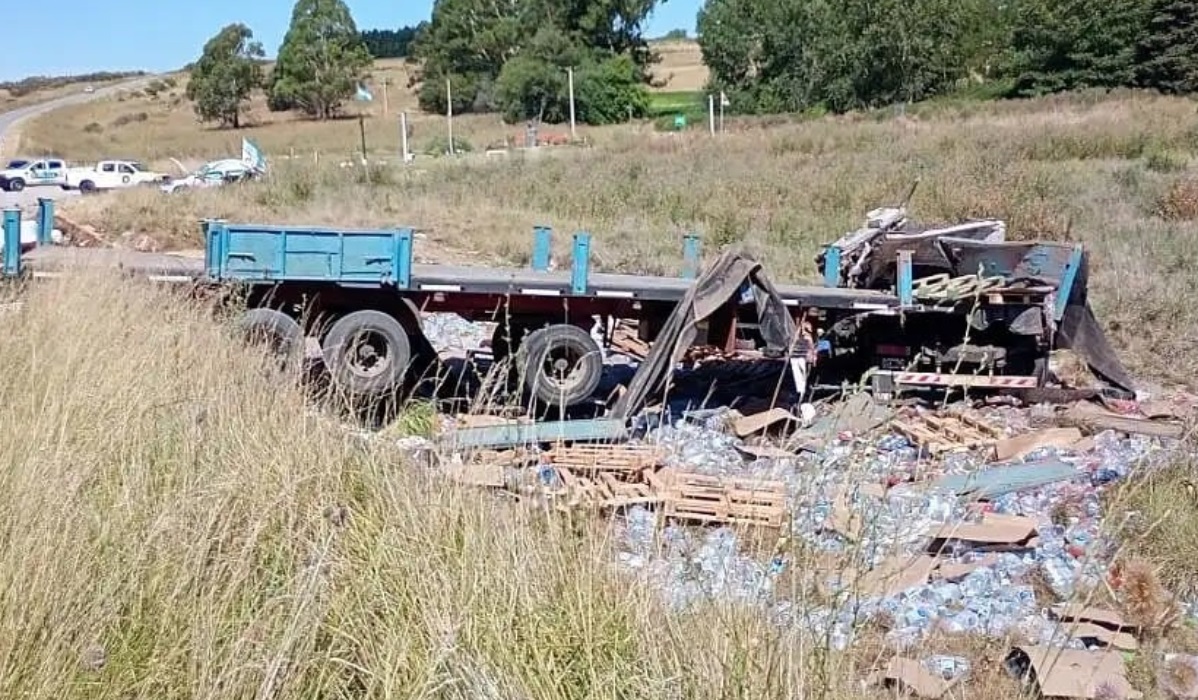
{"type": "Point", "coordinates": [560, 365]}
{"type": "Point", "coordinates": [367, 353]}
{"type": "Point", "coordinates": [281, 333]}
{"type": "Point", "coordinates": [16, 185]}
{"type": "Point", "coordinates": [87, 186]}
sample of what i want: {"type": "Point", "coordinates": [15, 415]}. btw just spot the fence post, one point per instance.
{"type": "Point", "coordinates": [45, 220]}
{"type": "Point", "coordinates": [12, 242]}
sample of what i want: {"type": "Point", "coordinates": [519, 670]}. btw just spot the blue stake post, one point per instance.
{"type": "Point", "coordinates": [403, 257]}
{"type": "Point", "coordinates": [1068, 279]}
{"type": "Point", "coordinates": [690, 255]}
{"type": "Point", "coordinates": [832, 266]}
{"type": "Point", "coordinates": [906, 282]}
{"type": "Point", "coordinates": [542, 242]}
{"type": "Point", "coordinates": [45, 220]}
{"type": "Point", "coordinates": [580, 262]}
{"type": "Point", "coordinates": [12, 242]}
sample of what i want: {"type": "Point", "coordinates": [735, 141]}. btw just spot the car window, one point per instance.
{"type": "Point", "coordinates": [126, 169]}
{"type": "Point", "coordinates": [108, 168]}
{"type": "Point", "coordinates": [138, 166]}
{"type": "Point", "coordinates": [38, 165]}
{"type": "Point", "coordinates": [17, 164]}
{"type": "Point", "coordinates": [56, 164]}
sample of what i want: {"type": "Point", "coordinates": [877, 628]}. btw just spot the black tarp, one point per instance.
{"type": "Point", "coordinates": [731, 275]}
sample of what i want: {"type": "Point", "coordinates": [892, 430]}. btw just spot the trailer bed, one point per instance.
{"type": "Point", "coordinates": [47, 261]}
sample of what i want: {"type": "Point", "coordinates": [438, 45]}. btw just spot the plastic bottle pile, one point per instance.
{"type": "Point", "coordinates": [693, 564]}
{"type": "Point", "coordinates": [450, 333]}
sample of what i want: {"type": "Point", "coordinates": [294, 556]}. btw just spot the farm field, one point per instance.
{"type": "Point", "coordinates": [172, 534]}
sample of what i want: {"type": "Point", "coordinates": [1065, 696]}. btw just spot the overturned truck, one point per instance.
{"type": "Point", "coordinates": [903, 305]}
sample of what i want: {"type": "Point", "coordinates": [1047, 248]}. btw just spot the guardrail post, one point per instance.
{"type": "Point", "coordinates": [906, 283]}
{"type": "Point", "coordinates": [45, 220]}
{"type": "Point", "coordinates": [690, 255]}
{"type": "Point", "coordinates": [832, 266]}
{"type": "Point", "coordinates": [403, 257]}
{"type": "Point", "coordinates": [580, 262]}
{"type": "Point", "coordinates": [1065, 290]}
{"type": "Point", "coordinates": [12, 242]}
{"type": "Point", "coordinates": [542, 241]}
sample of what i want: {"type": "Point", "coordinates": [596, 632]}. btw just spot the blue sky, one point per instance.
{"type": "Point", "coordinates": [83, 36]}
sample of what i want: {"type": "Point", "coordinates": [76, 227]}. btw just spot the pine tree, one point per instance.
{"type": "Point", "coordinates": [1168, 53]}
{"type": "Point", "coordinates": [321, 60]}
{"type": "Point", "coordinates": [225, 75]}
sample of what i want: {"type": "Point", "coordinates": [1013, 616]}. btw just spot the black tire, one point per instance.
{"type": "Point", "coordinates": [367, 353]}
{"type": "Point", "coordinates": [281, 333]}
{"type": "Point", "coordinates": [16, 185]}
{"type": "Point", "coordinates": [560, 365]}
{"type": "Point", "coordinates": [87, 186]}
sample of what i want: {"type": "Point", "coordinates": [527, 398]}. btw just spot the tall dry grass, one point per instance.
{"type": "Point", "coordinates": [167, 533]}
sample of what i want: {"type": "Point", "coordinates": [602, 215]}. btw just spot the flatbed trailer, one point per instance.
{"type": "Point", "coordinates": [359, 293]}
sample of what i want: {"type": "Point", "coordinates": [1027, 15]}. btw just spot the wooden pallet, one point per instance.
{"type": "Point", "coordinates": [946, 433]}
{"type": "Point", "coordinates": [620, 458]}
{"type": "Point", "coordinates": [604, 491]}
{"type": "Point", "coordinates": [690, 496]}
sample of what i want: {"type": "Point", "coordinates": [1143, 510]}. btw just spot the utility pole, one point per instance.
{"type": "Point", "coordinates": [711, 114]}
{"type": "Point", "coordinates": [570, 79]}
{"type": "Point", "coordinates": [449, 113]}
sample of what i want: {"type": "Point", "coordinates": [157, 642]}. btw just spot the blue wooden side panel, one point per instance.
{"type": "Point", "coordinates": [263, 253]}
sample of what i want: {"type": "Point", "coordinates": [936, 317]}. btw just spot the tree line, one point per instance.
{"type": "Point", "coordinates": [391, 43]}
{"type": "Point", "coordinates": [320, 63]}
{"type": "Point", "coordinates": [839, 55]}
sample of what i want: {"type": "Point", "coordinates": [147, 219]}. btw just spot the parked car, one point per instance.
{"type": "Point", "coordinates": [20, 173]}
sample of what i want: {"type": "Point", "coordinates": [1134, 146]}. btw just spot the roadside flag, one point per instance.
{"type": "Point", "coordinates": [724, 101]}
{"type": "Point", "coordinates": [363, 95]}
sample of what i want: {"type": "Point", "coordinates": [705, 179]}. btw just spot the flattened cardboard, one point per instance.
{"type": "Point", "coordinates": [1073, 673]}
{"type": "Point", "coordinates": [993, 529]}
{"type": "Point", "coordinates": [911, 676]}
{"type": "Point", "coordinates": [1122, 641]}
{"type": "Point", "coordinates": [1110, 619]}
{"type": "Point", "coordinates": [1021, 445]}
{"type": "Point", "coordinates": [955, 571]}
{"type": "Point", "coordinates": [895, 575]}
{"type": "Point", "coordinates": [759, 422]}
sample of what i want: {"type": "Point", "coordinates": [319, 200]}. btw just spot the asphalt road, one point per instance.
{"type": "Point", "coordinates": [28, 196]}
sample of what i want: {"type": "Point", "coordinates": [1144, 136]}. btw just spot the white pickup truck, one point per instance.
{"type": "Point", "coordinates": [20, 173]}
{"type": "Point", "coordinates": [112, 174]}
